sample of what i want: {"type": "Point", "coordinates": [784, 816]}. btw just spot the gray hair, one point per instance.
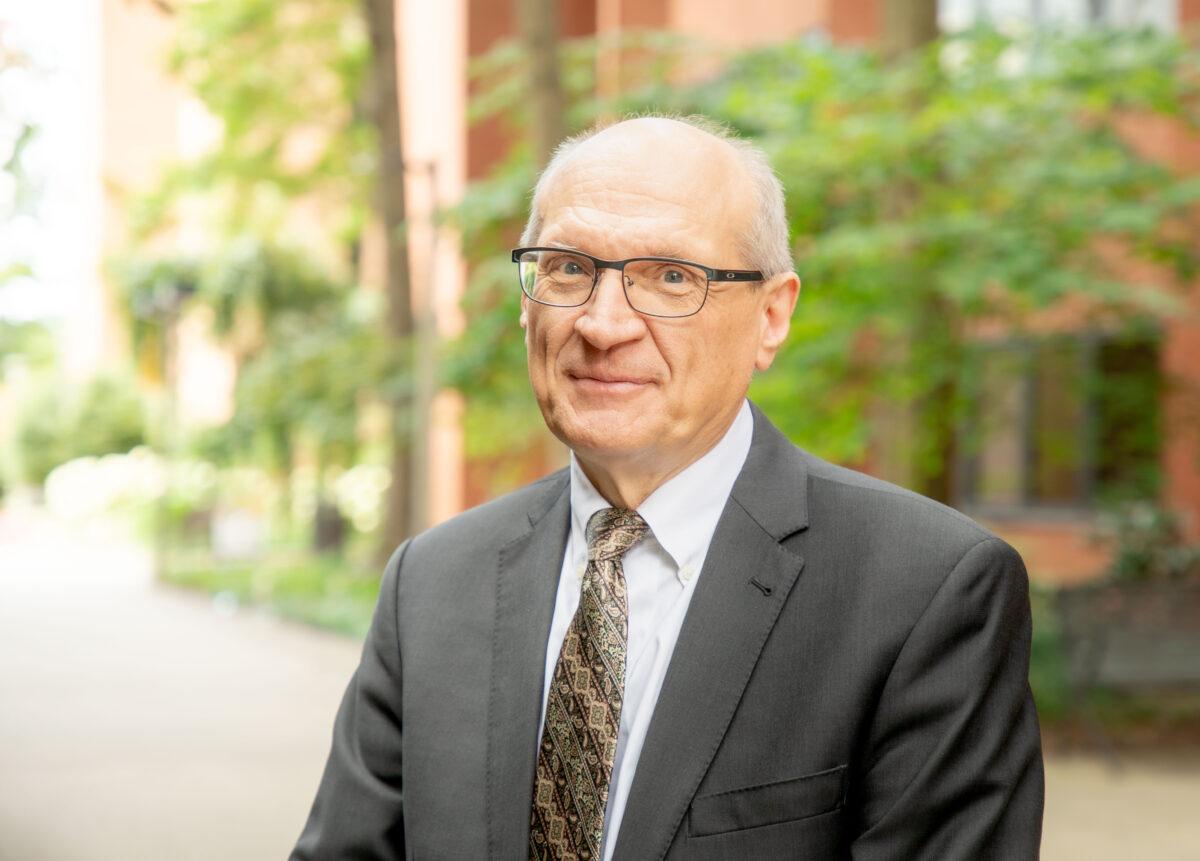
{"type": "Point", "coordinates": [763, 242]}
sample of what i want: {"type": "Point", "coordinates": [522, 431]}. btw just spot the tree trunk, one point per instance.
{"type": "Point", "coordinates": [537, 23]}
{"type": "Point", "coordinates": [907, 25]}
{"type": "Point", "coordinates": [936, 429]}
{"type": "Point", "coordinates": [390, 204]}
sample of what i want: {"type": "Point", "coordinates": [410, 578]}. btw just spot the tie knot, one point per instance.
{"type": "Point", "coordinates": [612, 531]}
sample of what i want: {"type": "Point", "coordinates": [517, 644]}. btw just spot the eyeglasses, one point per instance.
{"type": "Point", "coordinates": [656, 286]}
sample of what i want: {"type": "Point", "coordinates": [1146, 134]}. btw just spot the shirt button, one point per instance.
{"type": "Point", "coordinates": [686, 572]}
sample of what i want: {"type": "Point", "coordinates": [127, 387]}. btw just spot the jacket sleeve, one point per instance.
{"type": "Point", "coordinates": [954, 764]}
{"type": "Point", "coordinates": [359, 808]}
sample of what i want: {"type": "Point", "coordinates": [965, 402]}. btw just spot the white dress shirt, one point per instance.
{"type": "Point", "coordinates": [660, 576]}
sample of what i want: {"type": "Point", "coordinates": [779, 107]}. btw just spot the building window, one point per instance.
{"type": "Point", "coordinates": [1062, 422]}
{"type": "Point", "coordinates": [1162, 15]}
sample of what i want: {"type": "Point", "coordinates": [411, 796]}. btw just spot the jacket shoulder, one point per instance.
{"type": "Point", "coordinates": [494, 523]}
{"type": "Point", "coordinates": [851, 491]}
{"type": "Point", "coordinates": [789, 490]}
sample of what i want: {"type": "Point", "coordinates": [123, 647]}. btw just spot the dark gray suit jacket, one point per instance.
{"type": "Point", "coordinates": [850, 682]}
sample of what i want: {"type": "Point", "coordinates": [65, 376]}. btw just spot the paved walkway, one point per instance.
{"type": "Point", "coordinates": [138, 723]}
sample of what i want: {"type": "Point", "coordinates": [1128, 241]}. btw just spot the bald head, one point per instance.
{"type": "Point", "coordinates": [694, 159]}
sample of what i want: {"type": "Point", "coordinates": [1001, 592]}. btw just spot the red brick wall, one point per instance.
{"type": "Point", "coordinates": [489, 21]}
{"type": "Point", "coordinates": [853, 21]}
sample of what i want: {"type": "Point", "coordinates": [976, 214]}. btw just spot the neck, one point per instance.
{"type": "Point", "coordinates": [626, 480]}
{"type": "Point", "coordinates": [625, 488]}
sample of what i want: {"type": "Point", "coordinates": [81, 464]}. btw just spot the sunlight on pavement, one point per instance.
{"type": "Point", "coordinates": [1147, 808]}
{"type": "Point", "coordinates": [138, 724]}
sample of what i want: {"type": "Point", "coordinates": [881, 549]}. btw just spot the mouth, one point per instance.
{"type": "Point", "coordinates": [594, 382]}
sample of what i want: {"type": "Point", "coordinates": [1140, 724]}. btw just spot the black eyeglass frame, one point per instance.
{"type": "Point", "coordinates": [721, 276]}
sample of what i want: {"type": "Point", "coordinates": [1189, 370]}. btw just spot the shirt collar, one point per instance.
{"type": "Point", "coordinates": [682, 513]}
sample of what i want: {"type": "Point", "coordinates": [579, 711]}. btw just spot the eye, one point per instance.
{"type": "Point", "coordinates": [568, 266]}
{"type": "Point", "coordinates": [675, 276]}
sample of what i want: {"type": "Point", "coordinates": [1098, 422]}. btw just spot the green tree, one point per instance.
{"type": "Point", "coordinates": [31, 340]}
{"type": "Point", "coordinates": [405, 510]}
{"type": "Point", "coordinates": [57, 422]}
{"type": "Point", "coordinates": [907, 27]}
{"type": "Point", "coordinates": [42, 433]}
{"type": "Point", "coordinates": [308, 387]}
{"type": "Point", "coordinates": [302, 339]}
{"type": "Point", "coordinates": [19, 190]}
{"type": "Point", "coordinates": [537, 21]}
{"type": "Point", "coordinates": [109, 417]}
{"type": "Point", "coordinates": [1019, 188]}
{"type": "Point", "coordinates": [307, 98]}
{"type": "Point", "coordinates": [285, 83]}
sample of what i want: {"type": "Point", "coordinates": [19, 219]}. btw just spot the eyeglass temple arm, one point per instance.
{"type": "Point", "coordinates": [737, 275]}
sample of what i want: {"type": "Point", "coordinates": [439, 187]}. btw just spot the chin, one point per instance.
{"type": "Point", "coordinates": [602, 437]}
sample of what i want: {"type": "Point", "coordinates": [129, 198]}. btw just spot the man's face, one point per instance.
{"type": "Point", "coordinates": [627, 391]}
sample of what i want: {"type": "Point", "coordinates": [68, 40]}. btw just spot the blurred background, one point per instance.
{"type": "Point", "coordinates": [258, 325]}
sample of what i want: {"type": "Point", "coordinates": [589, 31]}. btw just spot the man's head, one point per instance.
{"type": "Point", "coordinates": [637, 397]}
{"type": "Point", "coordinates": [762, 240]}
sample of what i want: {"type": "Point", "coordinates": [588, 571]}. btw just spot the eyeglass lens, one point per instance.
{"type": "Point", "coordinates": [656, 287]}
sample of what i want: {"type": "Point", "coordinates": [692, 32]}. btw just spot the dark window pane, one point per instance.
{"type": "Point", "coordinates": [999, 448]}
{"type": "Point", "coordinates": [1066, 420]}
{"type": "Point", "coordinates": [1059, 428]}
{"type": "Point", "coordinates": [1127, 416]}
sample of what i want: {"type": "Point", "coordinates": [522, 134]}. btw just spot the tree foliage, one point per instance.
{"type": "Point", "coordinates": [285, 85]}
{"type": "Point", "coordinates": [988, 176]}
{"type": "Point", "coordinates": [311, 350]}
{"type": "Point", "coordinates": [19, 189]}
{"type": "Point", "coordinates": [304, 95]}
{"type": "Point", "coordinates": [57, 422]}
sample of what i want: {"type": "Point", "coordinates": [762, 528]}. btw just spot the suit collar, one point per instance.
{"type": "Point", "coordinates": [527, 575]}
{"type": "Point", "coordinates": [773, 485]}
{"type": "Point", "coordinates": [553, 499]}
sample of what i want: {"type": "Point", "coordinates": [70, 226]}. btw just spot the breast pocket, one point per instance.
{"type": "Point", "coordinates": [768, 804]}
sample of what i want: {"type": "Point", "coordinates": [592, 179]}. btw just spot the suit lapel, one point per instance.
{"type": "Point", "coordinates": [526, 584]}
{"type": "Point", "coordinates": [746, 580]}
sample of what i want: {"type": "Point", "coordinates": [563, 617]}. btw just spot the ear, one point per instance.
{"type": "Point", "coordinates": [525, 313]}
{"type": "Point", "coordinates": [779, 301]}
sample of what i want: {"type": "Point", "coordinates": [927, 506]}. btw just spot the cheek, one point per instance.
{"type": "Point", "coordinates": [534, 330]}
{"type": "Point", "coordinates": [543, 341]}
{"type": "Point", "coordinates": [725, 359]}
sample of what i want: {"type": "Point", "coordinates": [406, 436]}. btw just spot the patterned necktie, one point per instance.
{"type": "Point", "coordinates": [583, 709]}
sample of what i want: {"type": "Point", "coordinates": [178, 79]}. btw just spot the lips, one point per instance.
{"type": "Point", "coordinates": [607, 382]}
{"type": "Point", "coordinates": [610, 378]}
{"type": "Point", "coordinates": [607, 375]}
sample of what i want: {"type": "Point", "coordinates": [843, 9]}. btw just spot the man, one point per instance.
{"type": "Point", "coordinates": [697, 642]}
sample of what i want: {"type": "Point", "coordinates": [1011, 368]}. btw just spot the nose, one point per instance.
{"type": "Point", "coordinates": [607, 318]}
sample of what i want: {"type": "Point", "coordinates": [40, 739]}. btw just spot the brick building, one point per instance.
{"type": "Point", "coordinates": [1046, 510]}
{"type": "Point", "coordinates": [1044, 505]}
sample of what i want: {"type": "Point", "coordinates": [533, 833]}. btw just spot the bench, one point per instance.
{"type": "Point", "coordinates": [1128, 636]}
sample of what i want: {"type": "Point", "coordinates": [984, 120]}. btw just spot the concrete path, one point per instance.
{"type": "Point", "coordinates": [138, 723]}
{"type": "Point", "coordinates": [1149, 810]}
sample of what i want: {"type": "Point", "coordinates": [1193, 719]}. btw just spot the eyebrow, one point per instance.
{"type": "Point", "coordinates": [660, 251]}
{"type": "Point", "coordinates": [670, 251]}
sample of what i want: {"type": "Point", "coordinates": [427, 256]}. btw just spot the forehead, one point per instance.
{"type": "Point", "coordinates": [647, 186]}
